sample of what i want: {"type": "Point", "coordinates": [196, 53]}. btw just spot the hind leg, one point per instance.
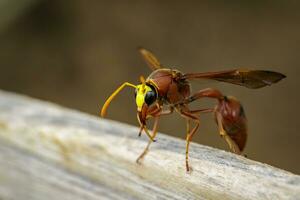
{"type": "Point", "coordinates": [232, 145]}
{"type": "Point", "coordinates": [208, 92]}
{"type": "Point", "coordinates": [226, 108]}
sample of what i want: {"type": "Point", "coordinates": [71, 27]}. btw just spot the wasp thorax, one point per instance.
{"type": "Point", "coordinates": [144, 94]}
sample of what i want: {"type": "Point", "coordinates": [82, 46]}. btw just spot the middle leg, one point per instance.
{"type": "Point", "coordinates": [190, 133]}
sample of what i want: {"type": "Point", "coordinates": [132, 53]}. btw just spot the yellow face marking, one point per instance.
{"type": "Point", "coordinates": [141, 91]}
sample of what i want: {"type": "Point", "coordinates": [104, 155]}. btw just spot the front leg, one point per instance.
{"type": "Point", "coordinates": [186, 113]}
{"type": "Point", "coordinates": [156, 113]}
{"type": "Point", "coordinates": [154, 132]}
{"type": "Point", "coordinates": [150, 112]}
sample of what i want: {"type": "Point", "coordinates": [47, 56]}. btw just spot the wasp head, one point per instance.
{"type": "Point", "coordinates": [145, 96]}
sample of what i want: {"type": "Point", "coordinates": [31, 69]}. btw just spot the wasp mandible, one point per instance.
{"type": "Point", "coordinates": [167, 90]}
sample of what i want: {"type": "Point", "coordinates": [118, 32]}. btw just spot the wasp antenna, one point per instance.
{"type": "Point", "coordinates": [113, 95]}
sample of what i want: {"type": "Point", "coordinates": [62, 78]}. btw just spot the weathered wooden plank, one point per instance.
{"type": "Point", "coordinates": [50, 152]}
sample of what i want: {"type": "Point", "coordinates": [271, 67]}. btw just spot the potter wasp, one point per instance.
{"type": "Point", "coordinates": [167, 90]}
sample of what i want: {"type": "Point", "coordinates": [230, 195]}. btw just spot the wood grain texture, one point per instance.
{"type": "Point", "coordinates": [50, 152]}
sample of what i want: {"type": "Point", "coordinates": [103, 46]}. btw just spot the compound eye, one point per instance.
{"type": "Point", "coordinates": [150, 97]}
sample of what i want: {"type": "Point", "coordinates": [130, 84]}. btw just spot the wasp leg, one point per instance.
{"type": "Point", "coordinates": [156, 116]}
{"type": "Point", "coordinates": [113, 95]}
{"type": "Point", "coordinates": [189, 116]}
{"type": "Point", "coordinates": [206, 110]}
{"type": "Point", "coordinates": [154, 132]}
{"type": "Point", "coordinates": [232, 145]}
{"type": "Point", "coordinates": [208, 92]}
{"type": "Point", "coordinates": [216, 94]}
{"type": "Point", "coordinates": [152, 110]}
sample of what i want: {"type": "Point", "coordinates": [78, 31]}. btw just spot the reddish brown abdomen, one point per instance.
{"type": "Point", "coordinates": [234, 120]}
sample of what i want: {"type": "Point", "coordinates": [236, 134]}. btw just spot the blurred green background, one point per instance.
{"type": "Point", "coordinates": [75, 53]}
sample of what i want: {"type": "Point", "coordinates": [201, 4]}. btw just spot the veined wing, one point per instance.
{"type": "Point", "coordinates": [150, 59]}
{"type": "Point", "coordinates": [248, 78]}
